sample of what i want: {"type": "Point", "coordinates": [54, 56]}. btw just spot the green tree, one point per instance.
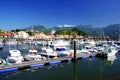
{"type": "Point", "coordinates": [31, 33]}
{"type": "Point", "coordinates": [17, 30]}
{"type": "Point", "coordinates": [73, 31]}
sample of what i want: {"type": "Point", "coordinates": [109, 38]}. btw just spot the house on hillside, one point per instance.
{"type": "Point", "coordinates": [22, 35]}
{"type": "Point", "coordinates": [41, 35]}
{"type": "Point", "coordinates": [6, 34]}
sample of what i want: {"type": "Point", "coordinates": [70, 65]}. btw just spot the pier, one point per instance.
{"type": "Point", "coordinates": [10, 68]}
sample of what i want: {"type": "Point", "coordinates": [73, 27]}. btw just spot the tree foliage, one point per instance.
{"type": "Point", "coordinates": [73, 31]}
{"type": "Point", "coordinates": [31, 33]}
{"type": "Point", "coordinates": [39, 28]}
{"type": "Point", "coordinates": [1, 31]}
{"type": "Point", "coordinates": [17, 30]}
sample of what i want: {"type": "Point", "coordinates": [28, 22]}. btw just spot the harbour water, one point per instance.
{"type": "Point", "coordinates": [86, 69]}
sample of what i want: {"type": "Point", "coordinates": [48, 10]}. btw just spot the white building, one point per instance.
{"type": "Point", "coordinates": [22, 35]}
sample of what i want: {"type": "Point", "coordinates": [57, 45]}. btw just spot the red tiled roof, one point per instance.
{"type": "Point", "coordinates": [7, 34]}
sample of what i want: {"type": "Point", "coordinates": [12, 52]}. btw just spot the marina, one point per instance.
{"type": "Point", "coordinates": [59, 40]}
{"type": "Point", "coordinates": [81, 57]}
{"type": "Point", "coordinates": [95, 67]}
{"type": "Point", "coordinates": [9, 68]}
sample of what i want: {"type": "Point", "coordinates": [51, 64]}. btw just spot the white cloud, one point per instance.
{"type": "Point", "coordinates": [59, 26]}
{"type": "Point", "coordinates": [67, 25]}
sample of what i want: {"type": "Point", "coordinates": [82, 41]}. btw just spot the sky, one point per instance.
{"type": "Point", "coordinates": [18, 14]}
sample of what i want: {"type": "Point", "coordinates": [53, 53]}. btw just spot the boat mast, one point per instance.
{"type": "Point", "coordinates": [32, 31]}
{"type": "Point", "coordinates": [119, 33]}
{"type": "Point", "coordinates": [9, 40]}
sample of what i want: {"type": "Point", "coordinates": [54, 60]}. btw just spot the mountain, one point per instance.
{"type": "Point", "coordinates": [89, 29]}
{"type": "Point", "coordinates": [39, 28]}
{"type": "Point", "coordinates": [112, 30]}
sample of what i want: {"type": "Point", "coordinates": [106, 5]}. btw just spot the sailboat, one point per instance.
{"type": "Point", "coordinates": [14, 55]}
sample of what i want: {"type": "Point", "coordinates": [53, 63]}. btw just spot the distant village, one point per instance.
{"type": "Point", "coordinates": [36, 35]}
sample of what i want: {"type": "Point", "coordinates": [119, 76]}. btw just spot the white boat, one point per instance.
{"type": "Point", "coordinates": [1, 60]}
{"type": "Point", "coordinates": [83, 50]}
{"type": "Point", "coordinates": [60, 43]}
{"type": "Point", "coordinates": [117, 47]}
{"type": "Point", "coordinates": [15, 56]}
{"type": "Point", "coordinates": [62, 51]}
{"type": "Point", "coordinates": [111, 52]}
{"type": "Point", "coordinates": [48, 52]}
{"type": "Point", "coordinates": [32, 55]}
{"type": "Point", "coordinates": [1, 45]}
{"type": "Point", "coordinates": [111, 58]}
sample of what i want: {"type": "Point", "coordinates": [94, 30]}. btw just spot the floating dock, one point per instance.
{"type": "Point", "coordinates": [11, 68]}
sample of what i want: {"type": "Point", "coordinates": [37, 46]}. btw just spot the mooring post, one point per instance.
{"type": "Point", "coordinates": [74, 49]}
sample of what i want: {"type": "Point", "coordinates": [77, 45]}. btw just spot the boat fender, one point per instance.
{"type": "Point", "coordinates": [70, 55]}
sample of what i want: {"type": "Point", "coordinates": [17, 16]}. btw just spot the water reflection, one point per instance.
{"type": "Point", "coordinates": [75, 70]}
{"type": "Point", "coordinates": [87, 69]}
{"type": "Point", "coordinates": [110, 60]}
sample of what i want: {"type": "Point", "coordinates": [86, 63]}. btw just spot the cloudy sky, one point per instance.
{"type": "Point", "coordinates": [16, 14]}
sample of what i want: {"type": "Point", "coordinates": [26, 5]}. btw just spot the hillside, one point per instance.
{"type": "Point", "coordinates": [112, 30]}
{"type": "Point", "coordinates": [39, 28]}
